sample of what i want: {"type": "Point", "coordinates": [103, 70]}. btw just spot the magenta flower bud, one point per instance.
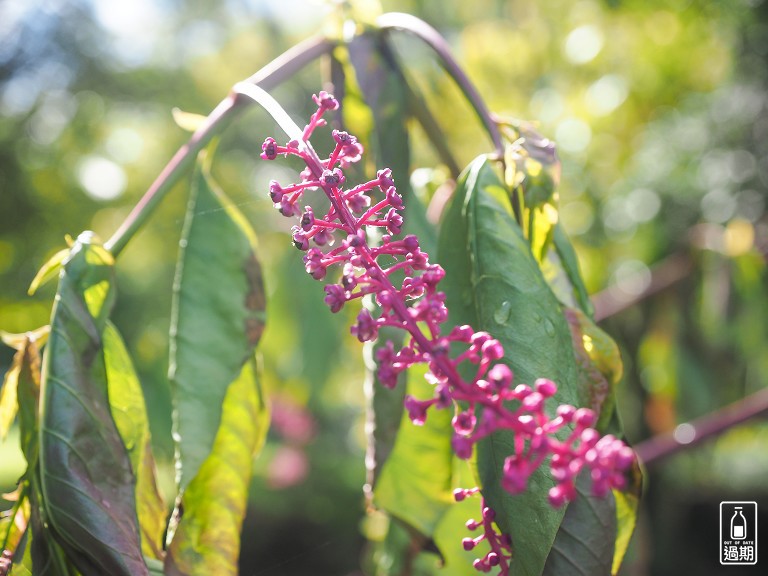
{"type": "Point", "coordinates": [468, 544]}
{"type": "Point", "coordinates": [566, 412]}
{"type": "Point", "coordinates": [331, 178]}
{"type": "Point", "coordinates": [557, 496]}
{"type": "Point", "coordinates": [313, 263]}
{"type": "Point", "coordinates": [459, 495]}
{"type": "Point", "coordinates": [300, 239]}
{"type": "Point", "coordinates": [394, 199]}
{"type": "Point", "coordinates": [492, 350]}
{"type": "Point", "coordinates": [359, 203]}
{"type": "Point", "coordinates": [493, 559]}
{"type": "Point", "coordinates": [461, 333]}
{"type": "Point", "coordinates": [417, 409]}
{"type": "Point", "coordinates": [533, 402]}
{"type": "Point", "coordinates": [385, 179]}
{"type": "Point", "coordinates": [545, 387]}
{"type": "Point", "coordinates": [514, 478]}
{"type": "Point", "coordinates": [307, 219]}
{"type": "Point", "coordinates": [500, 376]}
{"type": "Point", "coordinates": [489, 513]}
{"type": "Point", "coordinates": [325, 101]}
{"type": "Point", "coordinates": [323, 236]}
{"type": "Point", "coordinates": [275, 191]}
{"type": "Point", "coordinates": [394, 221]}
{"type": "Point", "coordinates": [521, 391]}
{"type": "Point", "coordinates": [269, 149]}
{"type": "Point", "coordinates": [335, 297]}
{"type": "Point", "coordinates": [590, 436]}
{"type": "Point", "coordinates": [341, 137]}
{"type": "Point", "coordinates": [464, 422]}
{"type": "Point", "coordinates": [366, 327]}
{"type": "Point", "coordinates": [462, 446]}
{"type": "Point", "coordinates": [584, 417]}
{"type": "Point", "coordinates": [471, 524]}
{"type": "Point", "coordinates": [433, 274]}
{"type": "Point", "coordinates": [411, 243]}
{"type": "Point", "coordinates": [480, 338]}
{"type": "Point", "coordinates": [286, 208]}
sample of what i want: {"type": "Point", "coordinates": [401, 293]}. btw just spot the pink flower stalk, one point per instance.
{"type": "Point", "coordinates": [501, 544]}
{"type": "Point", "coordinates": [416, 306]}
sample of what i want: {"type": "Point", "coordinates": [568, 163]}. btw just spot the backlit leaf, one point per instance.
{"type": "Point", "coordinates": [497, 286]}
{"type": "Point", "coordinates": [85, 474]}
{"type": "Point", "coordinates": [416, 481]}
{"type": "Point", "coordinates": [218, 318]}
{"type": "Point", "coordinates": [207, 539]}
{"type": "Point", "coordinates": [126, 401]}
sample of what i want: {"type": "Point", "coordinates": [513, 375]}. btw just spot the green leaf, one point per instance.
{"type": "Point", "coordinates": [207, 539]}
{"type": "Point", "coordinates": [496, 285]}
{"type": "Point", "coordinates": [126, 401]}
{"type": "Point", "coordinates": [416, 481]}
{"type": "Point", "coordinates": [85, 474]}
{"type": "Point", "coordinates": [218, 317]}
{"type": "Point", "coordinates": [585, 542]}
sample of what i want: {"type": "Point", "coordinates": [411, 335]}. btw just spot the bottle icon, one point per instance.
{"type": "Point", "coordinates": [738, 525]}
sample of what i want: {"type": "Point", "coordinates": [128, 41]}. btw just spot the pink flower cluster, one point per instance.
{"type": "Point", "coordinates": [369, 255]}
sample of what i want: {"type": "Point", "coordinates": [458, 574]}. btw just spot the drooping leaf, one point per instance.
{"type": "Point", "coordinates": [585, 543]}
{"type": "Point", "coordinates": [218, 318]}
{"type": "Point", "coordinates": [126, 401]}
{"type": "Point", "coordinates": [416, 481]}
{"type": "Point", "coordinates": [497, 286]}
{"type": "Point", "coordinates": [48, 271]}
{"type": "Point", "coordinates": [627, 501]}
{"type": "Point", "coordinates": [207, 538]}
{"type": "Point", "coordinates": [8, 402]}
{"type": "Point", "coordinates": [85, 474]}
{"type": "Point", "coordinates": [385, 90]}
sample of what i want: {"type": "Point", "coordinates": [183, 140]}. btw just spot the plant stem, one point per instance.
{"type": "Point", "coordinates": [431, 37]}
{"type": "Point", "coordinates": [268, 77]}
{"type": "Point", "coordinates": [666, 273]}
{"type": "Point", "coordinates": [697, 431]}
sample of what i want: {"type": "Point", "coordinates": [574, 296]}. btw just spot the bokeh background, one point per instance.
{"type": "Point", "coordinates": [659, 111]}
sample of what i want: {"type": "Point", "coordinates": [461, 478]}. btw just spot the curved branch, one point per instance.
{"type": "Point", "coordinates": [267, 77]}
{"type": "Point", "coordinates": [697, 431]}
{"type": "Point", "coordinates": [431, 37]}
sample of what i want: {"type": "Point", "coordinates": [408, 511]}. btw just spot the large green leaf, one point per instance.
{"type": "Point", "coordinates": [218, 318]}
{"type": "Point", "coordinates": [207, 538]}
{"type": "Point", "coordinates": [126, 401]}
{"type": "Point", "coordinates": [385, 90]}
{"type": "Point", "coordinates": [85, 474]}
{"type": "Point", "coordinates": [496, 285]}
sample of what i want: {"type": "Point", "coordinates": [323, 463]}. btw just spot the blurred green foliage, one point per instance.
{"type": "Point", "coordinates": [658, 109]}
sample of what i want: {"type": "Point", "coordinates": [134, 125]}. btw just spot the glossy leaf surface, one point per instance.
{"type": "Point", "coordinates": [496, 285]}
